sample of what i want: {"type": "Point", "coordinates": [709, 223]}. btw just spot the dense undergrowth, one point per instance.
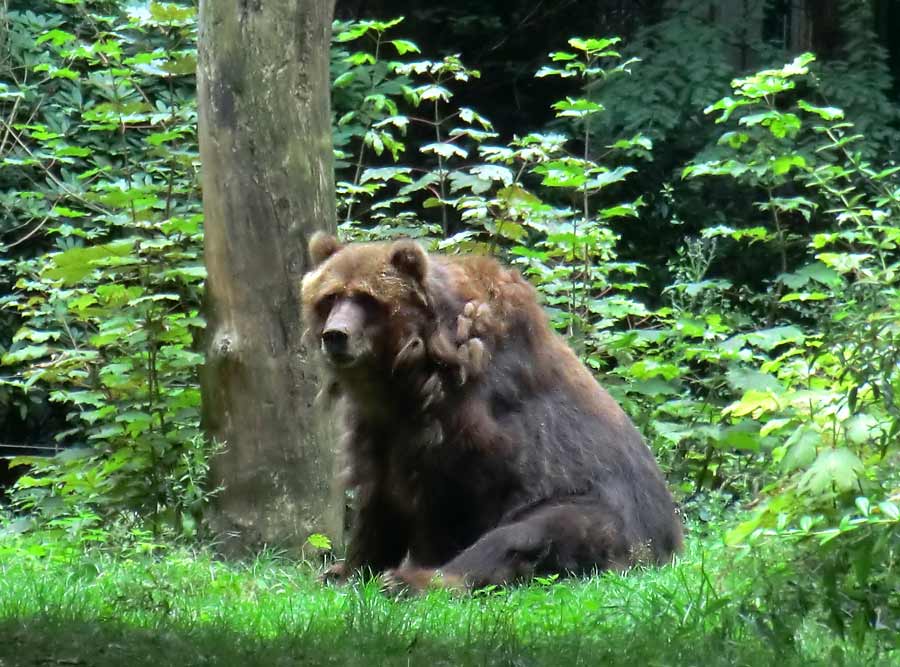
{"type": "Point", "coordinates": [760, 356]}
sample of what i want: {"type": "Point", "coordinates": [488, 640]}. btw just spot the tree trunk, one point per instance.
{"type": "Point", "coordinates": [265, 146]}
{"type": "Point", "coordinates": [744, 21]}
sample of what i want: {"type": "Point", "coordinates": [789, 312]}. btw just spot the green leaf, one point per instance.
{"type": "Point", "coordinates": [445, 150]}
{"type": "Point", "coordinates": [515, 196]}
{"type": "Point", "coordinates": [62, 211]}
{"type": "Point", "coordinates": [27, 353]}
{"type": "Point", "coordinates": [35, 336]}
{"type": "Point", "coordinates": [826, 113]}
{"type": "Point", "coordinates": [734, 140]}
{"type": "Point", "coordinates": [740, 533]}
{"type": "Point", "coordinates": [73, 151]}
{"type": "Point", "coordinates": [562, 174]}
{"type": "Point", "coordinates": [639, 140]}
{"type": "Point", "coordinates": [319, 541]}
{"type": "Point", "coordinates": [843, 262]}
{"type": "Point", "coordinates": [890, 510]}
{"type": "Point", "coordinates": [576, 108]}
{"type": "Point", "coordinates": [801, 448]}
{"type": "Point", "coordinates": [834, 470]}
{"type": "Point", "coordinates": [742, 436]}
{"type": "Point", "coordinates": [754, 403]}
{"type": "Point", "coordinates": [592, 45]}
{"type": "Point", "coordinates": [783, 164]}
{"type": "Point", "coordinates": [768, 339]}
{"type": "Point", "coordinates": [862, 428]}
{"type": "Point", "coordinates": [804, 296]}
{"type": "Point", "coordinates": [56, 37]}
{"type": "Point", "coordinates": [744, 379]}
{"type": "Point", "coordinates": [75, 264]}
{"type": "Point", "coordinates": [492, 172]}
{"type": "Point", "coordinates": [159, 138]}
{"type": "Point", "coordinates": [404, 46]}
{"type": "Point", "coordinates": [171, 13]}
{"type": "Point", "coordinates": [553, 71]}
{"type": "Point", "coordinates": [344, 79]}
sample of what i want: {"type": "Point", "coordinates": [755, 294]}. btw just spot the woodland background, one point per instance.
{"type": "Point", "coordinates": [706, 195]}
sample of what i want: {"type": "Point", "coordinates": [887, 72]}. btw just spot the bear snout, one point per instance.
{"type": "Point", "coordinates": [336, 344]}
{"type": "Point", "coordinates": [343, 336]}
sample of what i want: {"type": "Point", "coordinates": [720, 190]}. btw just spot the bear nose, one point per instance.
{"type": "Point", "coordinates": [335, 343]}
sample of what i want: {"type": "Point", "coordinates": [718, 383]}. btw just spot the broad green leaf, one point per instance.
{"type": "Point", "coordinates": [55, 37]}
{"type": "Point", "coordinates": [445, 150]}
{"type": "Point", "coordinates": [404, 46]}
{"type": "Point", "coordinates": [319, 541]}
{"type": "Point", "coordinates": [515, 196]}
{"type": "Point", "coordinates": [27, 353]}
{"type": "Point", "coordinates": [826, 113]}
{"type": "Point", "coordinates": [754, 403]}
{"type": "Point", "coordinates": [171, 13]}
{"type": "Point", "coordinates": [783, 164]}
{"type": "Point", "coordinates": [889, 510]}
{"type": "Point", "coordinates": [493, 173]}
{"type": "Point", "coordinates": [740, 533]}
{"type": "Point", "coordinates": [767, 339]}
{"type": "Point", "coordinates": [801, 448]}
{"type": "Point", "coordinates": [35, 336]}
{"type": "Point", "coordinates": [744, 379]}
{"type": "Point", "coordinates": [834, 470]}
{"type": "Point", "coordinates": [593, 45]}
{"type": "Point", "coordinates": [576, 108]}
{"type": "Point", "coordinates": [75, 264]}
{"type": "Point", "coordinates": [742, 436]}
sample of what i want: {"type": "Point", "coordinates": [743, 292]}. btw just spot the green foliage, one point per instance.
{"type": "Point", "coordinates": [101, 163]}
{"type": "Point", "coordinates": [380, 198]}
{"type": "Point", "coordinates": [830, 399]}
{"type": "Point", "coordinates": [689, 53]}
{"type": "Point", "coordinates": [535, 198]}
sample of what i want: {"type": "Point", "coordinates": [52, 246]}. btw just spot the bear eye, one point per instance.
{"type": "Point", "coordinates": [324, 305]}
{"type": "Point", "coordinates": [369, 303]}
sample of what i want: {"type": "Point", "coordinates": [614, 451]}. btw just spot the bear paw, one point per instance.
{"type": "Point", "coordinates": [410, 580]}
{"type": "Point", "coordinates": [432, 391]}
{"type": "Point", "coordinates": [411, 354]}
{"type": "Point", "coordinates": [338, 573]}
{"type": "Point", "coordinates": [471, 359]}
{"type": "Point", "coordinates": [476, 317]}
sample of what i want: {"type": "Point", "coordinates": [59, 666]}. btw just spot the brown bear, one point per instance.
{"type": "Point", "coordinates": [480, 449]}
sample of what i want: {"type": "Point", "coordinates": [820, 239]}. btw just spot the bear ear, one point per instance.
{"type": "Point", "coordinates": [321, 247]}
{"type": "Point", "coordinates": [410, 258]}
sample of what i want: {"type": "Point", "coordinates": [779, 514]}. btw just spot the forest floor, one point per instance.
{"type": "Point", "coordinates": [64, 603]}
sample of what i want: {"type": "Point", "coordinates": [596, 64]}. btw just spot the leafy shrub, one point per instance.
{"type": "Point", "coordinates": [101, 172]}
{"type": "Point", "coordinates": [828, 403]}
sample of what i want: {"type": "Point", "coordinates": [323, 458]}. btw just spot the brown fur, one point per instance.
{"type": "Point", "coordinates": [481, 449]}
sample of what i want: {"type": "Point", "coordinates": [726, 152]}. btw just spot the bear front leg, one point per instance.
{"type": "Point", "coordinates": [379, 539]}
{"type": "Point", "coordinates": [558, 538]}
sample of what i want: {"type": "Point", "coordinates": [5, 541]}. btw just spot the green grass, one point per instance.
{"type": "Point", "coordinates": [65, 605]}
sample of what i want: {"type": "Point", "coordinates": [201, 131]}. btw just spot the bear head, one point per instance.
{"type": "Point", "coordinates": [365, 304]}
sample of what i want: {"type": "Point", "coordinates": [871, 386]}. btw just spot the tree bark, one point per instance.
{"type": "Point", "coordinates": [265, 145]}
{"type": "Point", "coordinates": [744, 20]}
